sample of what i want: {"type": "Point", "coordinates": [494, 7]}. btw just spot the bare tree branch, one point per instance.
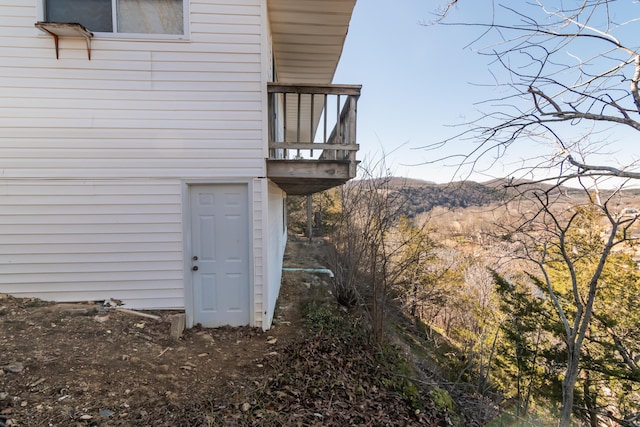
{"type": "Point", "coordinates": [599, 170]}
{"type": "Point", "coordinates": [550, 88]}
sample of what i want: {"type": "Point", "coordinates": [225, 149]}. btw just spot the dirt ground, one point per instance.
{"type": "Point", "coordinates": [84, 365]}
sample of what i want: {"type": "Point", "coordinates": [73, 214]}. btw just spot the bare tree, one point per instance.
{"type": "Point", "coordinates": [577, 240]}
{"type": "Point", "coordinates": [568, 76]}
{"type": "Point", "coordinates": [371, 257]}
{"type": "Point", "coordinates": [569, 73]}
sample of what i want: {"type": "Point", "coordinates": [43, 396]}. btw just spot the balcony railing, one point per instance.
{"type": "Point", "coordinates": [314, 123]}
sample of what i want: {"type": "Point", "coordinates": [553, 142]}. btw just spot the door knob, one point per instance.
{"type": "Point", "coordinates": [194, 268]}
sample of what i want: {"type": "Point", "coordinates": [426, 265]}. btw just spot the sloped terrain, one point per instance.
{"type": "Point", "coordinates": [80, 365]}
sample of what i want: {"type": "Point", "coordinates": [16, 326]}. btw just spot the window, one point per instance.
{"type": "Point", "coordinates": [120, 16]}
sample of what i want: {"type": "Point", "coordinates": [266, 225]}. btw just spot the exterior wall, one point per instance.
{"type": "Point", "coordinates": [269, 240]}
{"type": "Point", "coordinates": [139, 108]}
{"type": "Point", "coordinates": [94, 154]}
{"type": "Point", "coordinates": [276, 245]}
{"type": "Point", "coordinates": [79, 241]}
{"type": "Point", "coordinates": [259, 233]}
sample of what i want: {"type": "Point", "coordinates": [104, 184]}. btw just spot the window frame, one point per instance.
{"type": "Point", "coordinates": [40, 12]}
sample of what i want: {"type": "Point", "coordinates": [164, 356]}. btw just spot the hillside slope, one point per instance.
{"type": "Point", "coordinates": [80, 364]}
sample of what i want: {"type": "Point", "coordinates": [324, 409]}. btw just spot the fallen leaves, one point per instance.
{"type": "Point", "coordinates": [322, 380]}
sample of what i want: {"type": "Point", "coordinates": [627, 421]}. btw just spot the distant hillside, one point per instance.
{"type": "Point", "coordinates": [422, 198]}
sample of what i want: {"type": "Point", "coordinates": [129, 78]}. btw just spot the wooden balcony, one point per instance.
{"type": "Point", "coordinates": [312, 136]}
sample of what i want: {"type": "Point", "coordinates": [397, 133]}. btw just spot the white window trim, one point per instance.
{"type": "Point", "coordinates": [130, 36]}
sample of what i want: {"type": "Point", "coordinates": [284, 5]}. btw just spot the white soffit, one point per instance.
{"type": "Point", "coordinates": [308, 36]}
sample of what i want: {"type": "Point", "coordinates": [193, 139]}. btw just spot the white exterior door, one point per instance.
{"type": "Point", "coordinates": [220, 254]}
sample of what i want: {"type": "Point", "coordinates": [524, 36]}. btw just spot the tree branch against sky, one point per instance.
{"type": "Point", "coordinates": [566, 94]}
{"type": "Point", "coordinates": [567, 78]}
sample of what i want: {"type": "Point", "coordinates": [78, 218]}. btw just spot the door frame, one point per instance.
{"type": "Point", "coordinates": [187, 242]}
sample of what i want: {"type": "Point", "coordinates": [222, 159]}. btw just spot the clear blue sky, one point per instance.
{"type": "Point", "coordinates": [418, 80]}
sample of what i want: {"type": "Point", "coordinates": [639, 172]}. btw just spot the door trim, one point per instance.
{"type": "Point", "coordinates": [187, 244]}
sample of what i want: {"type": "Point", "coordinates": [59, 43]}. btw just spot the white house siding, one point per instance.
{"type": "Point", "coordinates": [139, 108]}
{"type": "Point", "coordinates": [78, 241]}
{"type": "Point", "coordinates": [258, 230]}
{"type": "Point", "coordinates": [276, 244]}
{"type": "Point", "coordinates": [93, 153]}
{"type": "Point", "coordinates": [269, 240]}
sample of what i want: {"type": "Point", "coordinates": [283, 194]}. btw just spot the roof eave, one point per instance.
{"type": "Point", "coordinates": [308, 38]}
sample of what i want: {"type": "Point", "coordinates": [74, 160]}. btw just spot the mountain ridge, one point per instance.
{"type": "Point", "coordinates": [422, 196]}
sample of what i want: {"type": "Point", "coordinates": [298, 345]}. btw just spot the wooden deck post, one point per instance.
{"type": "Point", "coordinates": [309, 217]}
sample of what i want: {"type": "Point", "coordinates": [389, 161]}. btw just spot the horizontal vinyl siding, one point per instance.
{"type": "Point", "coordinates": [93, 153]}
{"type": "Point", "coordinates": [276, 244]}
{"type": "Point", "coordinates": [258, 232]}
{"type": "Point", "coordinates": [79, 241]}
{"type": "Point", "coordinates": [139, 108]}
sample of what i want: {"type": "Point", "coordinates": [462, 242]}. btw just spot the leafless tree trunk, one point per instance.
{"type": "Point", "coordinates": [567, 77]}
{"type": "Point", "coordinates": [551, 235]}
